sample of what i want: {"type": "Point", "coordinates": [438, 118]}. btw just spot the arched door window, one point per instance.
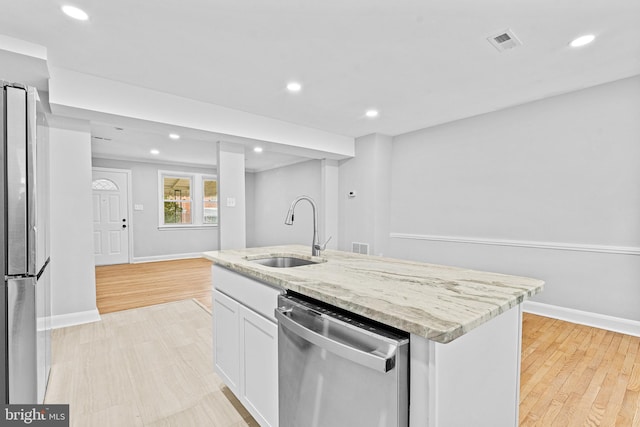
{"type": "Point", "coordinates": [104, 184]}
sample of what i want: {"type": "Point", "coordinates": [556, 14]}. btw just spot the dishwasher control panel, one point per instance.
{"type": "Point", "coordinates": [323, 309]}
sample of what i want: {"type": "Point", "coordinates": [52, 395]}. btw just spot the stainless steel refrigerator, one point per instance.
{"type": "Point", "coordinates": [25, 311]}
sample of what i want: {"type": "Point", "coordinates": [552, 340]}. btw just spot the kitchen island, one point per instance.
{"type": "Point", "coordinates": [464, 325]}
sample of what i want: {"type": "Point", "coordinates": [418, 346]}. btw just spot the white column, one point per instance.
{"type": "Point", "coordinates": [365, 183]}
{"type": "Point", "coordinates": [231, 196]}
{"type": "Point", "coordinates": [380, 190]}
{"type": "Point", "coordinates": [73, 282]}
{"type": "Point", "coordinates": [328, 215]}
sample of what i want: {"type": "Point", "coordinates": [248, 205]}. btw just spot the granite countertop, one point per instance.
{"type": "Point", "coordinates": [437, 302]}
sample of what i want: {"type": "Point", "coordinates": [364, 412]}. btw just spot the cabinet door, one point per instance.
{"type": "Point", "coordinates": [226, 349]}
{"type": "Point", "coordinates": [259, 370]}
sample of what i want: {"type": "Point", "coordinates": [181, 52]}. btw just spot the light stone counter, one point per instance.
{"type": "Point", "coordinates": [436, 302]}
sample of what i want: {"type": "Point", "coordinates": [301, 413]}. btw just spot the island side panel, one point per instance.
{"type": "Point", "coordinates": [471, 381]}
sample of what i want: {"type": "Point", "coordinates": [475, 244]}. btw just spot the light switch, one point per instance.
{"type": "Point", "coordinates": [138, 207]}
{"type": "Point", "coordinates": [231, 202]}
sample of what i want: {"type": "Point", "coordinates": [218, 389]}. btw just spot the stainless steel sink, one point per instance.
{"type": "Point", "coordinates": [283, 261]}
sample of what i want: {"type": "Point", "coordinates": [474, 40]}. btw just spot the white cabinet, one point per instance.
{"type": "Point", "coordinates": [259, 362]}
{"type": "Point", "coordinates": [226, 349]}
{"type": "Point", "coordinates": [246, 342]}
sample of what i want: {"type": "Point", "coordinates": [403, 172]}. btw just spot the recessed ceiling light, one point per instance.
{"type": "Point", "coordinates": [294, 87]}
{"type": "Point", "coordinates": [582, 40]}
{"type": "Point", "coordinates": [154, 152]}
{"type": "Point", "coordinates": [258, 149]}
{"type": "Point", "coordinates": [371, 113]}
{"type": "Point", "coordinates": [174, 136]}
{"type": "Point", "coordinates": [75, 13]}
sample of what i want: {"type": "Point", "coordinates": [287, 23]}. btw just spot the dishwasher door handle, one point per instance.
{"type": "Point", "coordinates": [361, 357]}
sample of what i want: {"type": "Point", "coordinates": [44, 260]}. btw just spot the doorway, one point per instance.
{"type": "Point", "coordinates": [111, 227]}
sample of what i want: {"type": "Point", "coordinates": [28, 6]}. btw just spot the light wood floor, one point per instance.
{"type": "Point", "coordinates": [124, 286]}
{"type": "Point", "coordinates": [149, 366]}
{"type": "Point", "coordinates": [572, 375]}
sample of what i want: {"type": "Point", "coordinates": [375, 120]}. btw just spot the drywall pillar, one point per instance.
{"type": "Point", "coordinates": [232, 233]}
{"type": "Point", "coordinates": [328, 215]}
{"type": "Point", "coordinates": [73, 281]}
{"type": "Point", "coordinates": [364, 192]}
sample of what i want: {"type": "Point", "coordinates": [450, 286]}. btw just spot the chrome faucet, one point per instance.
{"type": "Point", "coordinates": [315, 244]}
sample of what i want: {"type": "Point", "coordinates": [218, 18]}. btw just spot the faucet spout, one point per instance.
{"type": "Point", "coordinates": [315, 244]}
{"type": "Point", "coordinates": [289, 219]}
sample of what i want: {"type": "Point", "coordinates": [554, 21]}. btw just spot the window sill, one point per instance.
{"type": "Point", "coordinates": [187, 227]}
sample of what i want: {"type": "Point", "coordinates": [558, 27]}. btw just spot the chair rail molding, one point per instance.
{"type": "Point", "coordinates": [560, 246]}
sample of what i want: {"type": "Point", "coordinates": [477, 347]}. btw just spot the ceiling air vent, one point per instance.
{"type": "Point", "coordinates": [504, 40]}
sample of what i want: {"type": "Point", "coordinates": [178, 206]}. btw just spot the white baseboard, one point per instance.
{"type": "Point", "coordinates": [610, 323]}
{"type": "Point", "coordinates": [156, 258]}
{"type": "Point", "coordinates": [73, 319]}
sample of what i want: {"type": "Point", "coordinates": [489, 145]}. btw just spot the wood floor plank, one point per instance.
{"type": "Point", "coordinates": [551, 382]}
{"type": "Point", "coordinates": [583, 373]}
{"type": "Point", "coordinates": [612, 408]}
{"type": "Point", "coordinates": [539, 344]}
{"type": "Point", "coordinates": [584, 409]}
{"type": "Point", "coordinates": [548, 347]}
{"type": "Point", "coordinates": [536, 386]}
{"type": "Point", "coordinates": [630, 411]}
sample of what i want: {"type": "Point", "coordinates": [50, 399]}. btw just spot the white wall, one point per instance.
{"type": "Point", "coordinates": [274, 190]}
{"type": "Point", "coordinates": [365, 217]}
{"type": "Point", "coordinates": [148, 241]}
{"type": "Point", "coordinates": [557, 179]}
{"type": "Point", "coordinates": [73, 285]}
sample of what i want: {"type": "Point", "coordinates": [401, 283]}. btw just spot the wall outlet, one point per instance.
{"type": "Point", "coordinates": [138, 207]}
{"type": "Point", "coordinates": [231, 202]}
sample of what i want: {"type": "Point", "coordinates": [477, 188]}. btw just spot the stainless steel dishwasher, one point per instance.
{"type": "Point", "coordinates": [336, 369]}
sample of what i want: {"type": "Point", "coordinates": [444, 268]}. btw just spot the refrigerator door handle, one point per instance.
{"type": "Point", "coordinates": [16, 184]}
{"type": "Point", "coordinates": [32, 183]}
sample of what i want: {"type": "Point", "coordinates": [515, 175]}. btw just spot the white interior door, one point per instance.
{"type": "Point", "coordinates": [110, 216]}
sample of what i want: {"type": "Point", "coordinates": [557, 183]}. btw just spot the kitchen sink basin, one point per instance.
{"type": "Point", "coordinates": [283, 261]}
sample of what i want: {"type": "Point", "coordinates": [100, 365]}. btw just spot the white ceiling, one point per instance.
{"type": "Point", "coordinates": [419, 62]}
{"type": "Point", "coordinates": [194, 148]}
